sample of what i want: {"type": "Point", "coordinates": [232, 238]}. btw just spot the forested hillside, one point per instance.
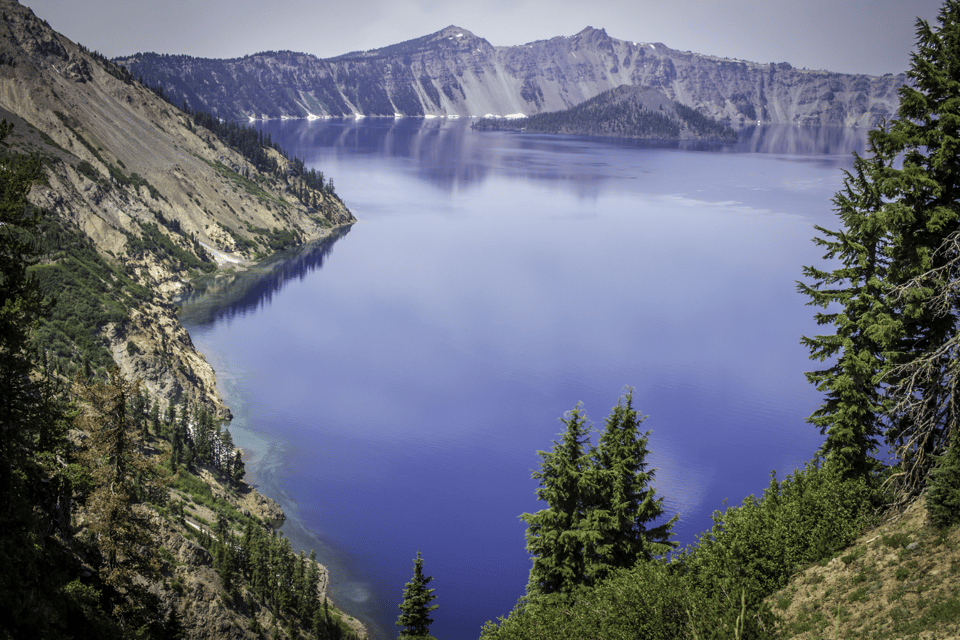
{"type": "Point", "coordinates": [141, 195]}
{"type": "Point", "coordinates": [124, 511]}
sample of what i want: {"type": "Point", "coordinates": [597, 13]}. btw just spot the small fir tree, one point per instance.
{"type": "Point", "coordinates": [623, 502]}
{"type": "Point", "coordinates": [600, 504]}
{"type": "Point", "coordinates": [943, 496]}
{"type": "Point", "coordinates": [555, 535]}
{"type": "Point", "coordinates": [415, 608]}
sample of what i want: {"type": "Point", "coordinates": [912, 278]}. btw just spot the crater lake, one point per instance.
{"type": "Point", "coordinates": [392, 385]}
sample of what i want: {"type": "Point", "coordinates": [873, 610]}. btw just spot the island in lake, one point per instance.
{"type": "Point", "coordinates": [624, 112]}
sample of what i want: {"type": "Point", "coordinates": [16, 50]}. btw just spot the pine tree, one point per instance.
{"type": "Point", "coordinates": [599, 504]}
{"type": "Point", "coordinates": [555, 536]}
{"type": "Point", "coordinates": [852, 415]}
{"type": "Point", "coordinates": [20, 306]}
{"type": "Point", "coordinates": [35, 486]}
{"type": "Point", "coordinates": [943, 496]}
{"type": "Point", "coordinates": [237, 468]}
{"type": "Point", "coordinates": [897, 348]}
{"type": "Point", "coordinates": [924, 212]}
{"type": "Point", "coordinates": [623, 502]}
{"type": "Point", "coordinates": [415, 608]}
{"type": "Point", "coordinates": [124, 476]}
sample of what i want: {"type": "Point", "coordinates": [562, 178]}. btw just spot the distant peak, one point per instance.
{"type": "Point", "coordinates": [590, 31]}
{"type": "Point", "coordinates": [453, 31]}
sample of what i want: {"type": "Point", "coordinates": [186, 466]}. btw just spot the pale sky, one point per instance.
{"type": "Point", "coordinates": [849, 36]}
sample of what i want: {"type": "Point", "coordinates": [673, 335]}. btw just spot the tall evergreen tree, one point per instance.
{"type": "Point", "coordinates": [854, 295]}
{"type": "Point", "coordinates": [924, 212]}
{"type": "Point", "coordinates": [896, 342]}
{"type": "Point", "coordinates": [35, 490]}
{"type": "Point", "coordinates": [556, 537]}
{"type": "Point", "coordinates": [20, 307]}
{"type": "Point", "coordinates": [623, 503]}
{"type": "Point", "coordinates": [415, 608]}
{"type": "Point", "coordinates": [124, 477]}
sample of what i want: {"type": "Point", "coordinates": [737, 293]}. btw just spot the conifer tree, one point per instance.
{"type": "Point", "coordinates": [20, 306]}
{"type": "Point", "coordinates": [854, 296]}
{"type": "Point", "coordinates": [556, 537]}
{"type": "Point", "coordinates": [35, 487]}
{"type": "Point", "coordinates": [123, 476]}
{"type": "Point", "coordinates": [600, 503]}
{"type": "Point", "coordinates": [623, 501]}
{"type": "Point", "coordinates": [415, 608]}
{"type": "Point", "coordinates": [896, 344]}
{"type": "Point", "coordinates": [924, 213]}
{"type": "Point", "coordinates": [943, 497]}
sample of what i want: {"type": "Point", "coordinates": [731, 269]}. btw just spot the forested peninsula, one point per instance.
{"type": "Point", "coordinates": [123, 507]}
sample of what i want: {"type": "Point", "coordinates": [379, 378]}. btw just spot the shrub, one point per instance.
{"type": "Point", "coordinates": [715, 588]}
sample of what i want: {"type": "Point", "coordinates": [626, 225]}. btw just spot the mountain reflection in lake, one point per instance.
{"type": "Point", "coordinates": [228, 295]}
{"type": "Point", "coordinates": [398, 395]}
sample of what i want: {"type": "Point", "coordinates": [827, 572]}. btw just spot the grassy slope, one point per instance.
{"type": "Point", "coordinates": [899, 580]}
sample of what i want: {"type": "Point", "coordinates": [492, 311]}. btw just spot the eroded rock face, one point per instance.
{"type": "Point", "coordinates": [124, 164]}
{"type": "Point", "coordinates": [193, 591]}
{"type": "Point", "coordinates": [153, 347]}
{"type": "Point", "coordinates": [454, 72]}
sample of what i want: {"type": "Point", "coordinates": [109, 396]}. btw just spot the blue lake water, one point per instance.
{"type": "Point", "coordinates": [393, 386]}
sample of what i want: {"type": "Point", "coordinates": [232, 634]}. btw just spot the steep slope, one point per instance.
{"type": "Point", "coordinates": [898, 580]}
{"type": "Point", "coordinates": [139, 198]}
{"type": "Point", "coordinates": [624, 112]}
{"type": "Point", "coordinates": [159, 197]}
{"type": "Point", "coordinates": [454, 72]}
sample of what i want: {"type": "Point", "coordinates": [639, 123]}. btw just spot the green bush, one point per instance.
{"type": "Point", "coordinates": [648, 601]}
{"type": "Point", "coordinates": [715, 588]}
{"type": "Point", "coordinates": [86, 169]}
{"type": "Point", "coordinates": [808, 516]}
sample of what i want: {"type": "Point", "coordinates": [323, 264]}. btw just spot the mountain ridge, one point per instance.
{"type": "Point", "coordinates": [453, 72]}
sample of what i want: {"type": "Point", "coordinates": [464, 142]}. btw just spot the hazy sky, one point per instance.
{"type": "Point", "coordinates": [851, 36]}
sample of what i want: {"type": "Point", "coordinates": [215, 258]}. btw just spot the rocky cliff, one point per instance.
{"type": "Point", "coordinates": [158, 195]}
{"type": "Point", "coordinates": [454, 72]}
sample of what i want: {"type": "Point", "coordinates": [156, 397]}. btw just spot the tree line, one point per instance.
{"type": "Point", "coordinates": [254, 145]}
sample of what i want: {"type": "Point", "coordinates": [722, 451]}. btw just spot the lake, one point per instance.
{"type": "Point", "coordinates": [392, 386]}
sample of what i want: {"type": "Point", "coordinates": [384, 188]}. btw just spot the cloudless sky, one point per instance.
{"type": "Point", "coordinates": [850, 36]}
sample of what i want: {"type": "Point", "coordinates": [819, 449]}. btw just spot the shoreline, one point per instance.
{"type": "Point", "coordinates": [264, 458]}
{"type": "Point", "coordinates": [292, 526]}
